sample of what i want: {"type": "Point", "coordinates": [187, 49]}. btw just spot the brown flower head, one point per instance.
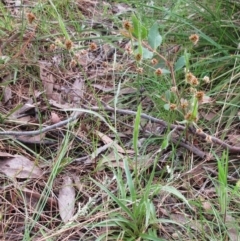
{"type": "Point", "coordinates": [174, 89]}
{"type": "Point", "coordinates": [93, 46]}
{"type": "Point", "coordinates": [173, 107]}
{"type": "Point", "coordinates": [138, 57]}
{"type": "Point", "coordinates": [190, 117]}
{"type": "Point", "coordinates": [68, 44]}
{"type": "Point", "coordinates": [158, 71]}
{"type": "Point", "coordinates": [154, 61]}
{"type": "Point", "coordinates": [139, 70]}
{"type": "Point", "coordinates": [194, 38]}
{"type": "Point", "coordinates": [73, 63]}
{"type": "Point", "coordinates": [208, 139]}
{"type": "Point", "coordinates": [199, 95]}
{"type": "Point", "coordinates": [127, 25]}
{"type": "Point", "coordinates": [128, 49]}
{"type": "Point", "coordinates": [52, 47]}
{"type": "Point", "coordinates": [31, 17]}
{"type": "Point", "coordinates": [191, 79]}
{"type": "Point", "coordinates": [183, 103]}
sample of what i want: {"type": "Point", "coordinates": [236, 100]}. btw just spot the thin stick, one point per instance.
{"type": "Point", "coordinates": [40, 131]}
{"type": "Point", "coordinates": [232, 149]}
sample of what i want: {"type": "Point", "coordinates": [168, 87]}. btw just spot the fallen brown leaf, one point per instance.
{"type": "Point", "coordinates": [108, 140]}
{"type": "Point", "coordinates": [19, 167]}
{"type": "Point", "coordinates": [55, 118]}
{"type": "Point", "coordinates": [66, 200]}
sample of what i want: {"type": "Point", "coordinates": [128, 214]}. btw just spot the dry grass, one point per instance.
{"type": "Point", "coordinates": [101, 176]}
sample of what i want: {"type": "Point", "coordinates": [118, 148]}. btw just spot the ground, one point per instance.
{"type": "Point", "coordinates": [119, 120]}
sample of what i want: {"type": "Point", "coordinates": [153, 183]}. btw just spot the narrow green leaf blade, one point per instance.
{"type": "Point", "coordinates": [136, 129]}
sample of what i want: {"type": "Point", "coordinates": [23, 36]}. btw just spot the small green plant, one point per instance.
{"type": "Point", "coordinates": [183, 96]}
{"type": "Point", "coordinates": [135, 216]}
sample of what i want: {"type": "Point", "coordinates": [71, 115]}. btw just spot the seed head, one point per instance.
{"type": "Point", "coordinates": [128, 49]}
{"type": "Point", "coordinates": [127, 25]}
{"type": "Point", "coordinates": [52, 47]}
{"type": "Point", "coordinates": [191, 79]}
{"type": "Point", "coordinates": [58, 42]}
{"type": "Point", "coordinates": [174, 89]}
{"type": "Point", "coordinates": [195, 82]}
{"type": "Point", "coordinates": [199, 131]}
{"type": "Point", "coordinates": [199, 95]}
{"type": "Point", "coordinates": [158, 71]}
{"type": "Point", "coordinates": [125, 33]}
{"type": "Point", "coordinates": [139, 70]}
{"type": "Point", "coordinates": [31, 17]}
{"type": "Point", "coordinates": [194, 38]}
{"type": "Point", "coordinates": [206, 79]}
{"type": "Point", "coordinates": [154, 61]}
{"type": "Point", "coordinates": [138, 57]}
{"type": "Point", "coordinates": [208, 139]}
{"type": "Point", "coordinates": [73, 63]}
{"type": "Point", "coordinates": [93, 46]}
{"type": "Point", "coordinates": [173, 107]}
{"type": "Point", "coordinates": [192, 90]}
{"type": "Point", "coordinates": [190, 117]}
{"type": "Point", "coordinates": [68, 44]}
{"type": "Point", "coordinates": [183, 103]}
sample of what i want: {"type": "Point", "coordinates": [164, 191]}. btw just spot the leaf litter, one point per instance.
{"type": "Point", "coordinates": [61, 83]}
{"type": "Point", "coordinates": [19, 167]}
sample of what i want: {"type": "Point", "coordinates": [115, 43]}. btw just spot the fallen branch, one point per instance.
{"type": "Point", "coordinates": [40, 131]}
{"type": "Point", "coordinates": [209, 138]}
{"type": "Point", "coordinates": [231, 149]}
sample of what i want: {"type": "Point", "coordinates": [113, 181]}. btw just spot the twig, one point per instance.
{"type": "Point", "coordinates": [40, 131]}
{"type": "Point", "coordinates": [231, 149]}
{"type": "Point", "coordinates": [189, 147]}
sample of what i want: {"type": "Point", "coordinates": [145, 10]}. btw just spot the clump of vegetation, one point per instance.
{"type": "Point", "coordinates": [119, 121]}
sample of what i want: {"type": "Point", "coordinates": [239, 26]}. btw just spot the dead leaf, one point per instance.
{"type": "Point", "coordinates": [78, 86]}
{"type": "Point", "coordinates": [7, 95]}
{"type": "Point", "coordinates": [209, 115]}
{"type": "Point", "coordinates": [234, 139]}
{"type": "Point", "coordinates": [184, 220]}
{"type": "Point", "coordinates": [205, 100]}
{"type": "Point", "coordinates": [113, 159]}
{"type": "Point", "coordinates": [128, 90]}
{"type": "Point", "coordinates": [32, 197]}
{"type": "Point", "coordinates": [55, 118]}
{"type": "Point", "coordinates": [108, 140]}
{"type": "Point", "coordinates": [66, 200]}
{"type": "Point", "coordinates": [4, 154]}
{"type": "Point", "coordinates": [103, 88]}
{"type": "Point", "coordinates": [24, 110]}
{"type": "Point", "coordinates": [60, 106]}
{"type": "Point", "coordinates": [19, 167]}
{"type": "Point", "coordinates": [83, 58]}
{"type": "Point", "coordinates": [207, 206]}
{"type": "Point", "coordinates": [121, 8]}
{"type": "Point", "coordinates": [233, 228]}
{"type": "Point", "coordinates": [47, 78]}
{"type": "Point", "coordinates": [32, 139]}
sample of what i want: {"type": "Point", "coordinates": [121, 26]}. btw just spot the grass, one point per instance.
{"type": "Point", "coordinates": [132, 179]}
